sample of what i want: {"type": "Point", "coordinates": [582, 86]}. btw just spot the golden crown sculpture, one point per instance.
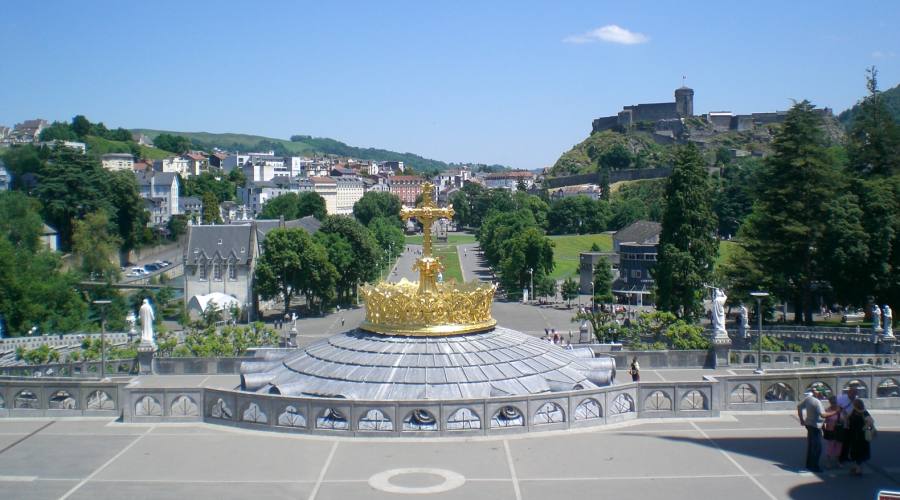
{"type": "Point", "coordinates": [428, 308]}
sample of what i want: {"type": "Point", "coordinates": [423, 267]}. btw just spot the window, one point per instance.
{"type": "Point", "coordinates": [217, 271]}
{"type": "Point", "coordinates": [636, 273]}
{"type": "Point", "coordinates": [202, 268]}
{"type": "Point", "coordinates": [232, 270]}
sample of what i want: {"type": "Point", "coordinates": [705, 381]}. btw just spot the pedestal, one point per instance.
{"type": "Point", "coordinates": [145, 358]}
{"type": "Point", "coordinates": [721, 348]}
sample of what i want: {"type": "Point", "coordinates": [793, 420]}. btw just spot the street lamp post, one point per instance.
{"type": "Point", "coordinates": [759, 296]}
{"type": "Point", "coordinates": [102, 304]}
{"type": "Point", "coordinates": [531, 287]}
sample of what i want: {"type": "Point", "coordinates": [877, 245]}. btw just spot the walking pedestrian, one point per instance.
{"type": "Point", "coordinates": [833, 445]}
{"type": "Point", "coordinates": [861, 429]}
{"type": "Point", "coordinates": [635, 370]}
{"type": "Point", "coordinates": [810, 413]}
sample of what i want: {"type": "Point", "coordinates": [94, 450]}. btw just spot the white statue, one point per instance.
{"type": "Point", "coordinates": [876, 319]}
{"type": "Point", "coordinates": [718, 313]}
{"type": "Point", "coordinates": [888, 321]}
{"type": "Point", "coordinates": [744, 321]}
{"type": "Point", "coordinates": [147, 317]}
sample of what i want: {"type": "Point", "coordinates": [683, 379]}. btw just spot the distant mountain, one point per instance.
{"type": "Point", "coordinates": [305, 145]}
{"type": "Point", "coordinates": [891, 99]}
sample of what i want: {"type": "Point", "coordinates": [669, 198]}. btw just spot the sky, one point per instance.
{"type": "Point", "coordinates": [514, 83]}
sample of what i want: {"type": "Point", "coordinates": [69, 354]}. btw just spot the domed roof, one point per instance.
{"type": "Point", "coordinates": [362, 365]}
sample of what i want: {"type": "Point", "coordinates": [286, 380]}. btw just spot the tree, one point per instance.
{"type": "Point", "coordinates": [340, 255]}
{"type": "Point", "coordinates": [364, 267]}
{"type": "Point", "coordinates": [603, 282]}
{"type": "Point", "coordinates": [211, 213]}
{"type": "Point", "coordinates": [20, 220]}
{"type": "Point", "coordinates": [603, 323]}
{"type": "Point", "coordinates": [687, 244]}
{"type": "Point", "coordinates": [293, 263]}
{"type": "Point", "coordinates": [783, 234]}
{"type": "Point", "coordinates": [177, 226]}
{"type": "Point", "coordinates": [734, 196]}
{"type": "Point", "coordinates": [81, 125]}
{"type": "Point", "coordinates": [545, 286]}
{"type": "Point", "coordinates": [173, 143]}
{"type": "Point", "coordinates": [389, 236]}
{"type": "Point", "coordinates": [376, 204]}
{"type": "Point", "coordinates": [58, 131]}
{"type": "Point", "coordinates": [311, 204]}
{"type": "Point", "coordinates": [873, 140]}
{"type": "Point", "coordinates": [529, 249]}
{"type": "Point", "coordinates": [97, 246]}
{"type": "Point", "coordinates": [569, 291]}
{"type": "Point", "coordinates": [538, 207]}
{"type": "Point", "coordinates": [616, 157]}
{"type": "Point", "coordinates": [283, 205]}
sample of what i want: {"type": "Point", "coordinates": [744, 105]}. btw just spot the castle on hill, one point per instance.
{"type": "Point", "coordinates": [666, 119]}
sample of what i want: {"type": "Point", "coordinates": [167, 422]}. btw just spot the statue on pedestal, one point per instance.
{"type": "Point", "coordinates": [888, 321]}
{"type": "Point", "coordinates": [718, 313]}
{"type": "Point", "coordinates": [147, 318]}
{"type": "Point", "coordinates": [876, 319]}
{"type": "Point", "coordinates": [743, 321]}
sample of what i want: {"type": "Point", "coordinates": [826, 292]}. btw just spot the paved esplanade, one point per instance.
{"type": "Point", "coordinates": [735, 456]}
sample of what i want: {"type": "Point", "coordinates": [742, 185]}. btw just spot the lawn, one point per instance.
{"type": "Point", "coordinates": [726, 248]}
{"type": "Point", "coordinates": [567, 248]}
{"type": "Point", "coordinates": [448, 256]}
{"type": "Point", "coordinates": [452, 239]}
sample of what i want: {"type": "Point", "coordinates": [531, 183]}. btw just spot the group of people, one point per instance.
{"type": "Point", "coordinates": [551, 336]}
{"type": "Point", "coordinates": [847, 427]}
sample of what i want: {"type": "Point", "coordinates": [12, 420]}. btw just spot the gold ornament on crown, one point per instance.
{"type": "Point", "coordinates": [427, 308]}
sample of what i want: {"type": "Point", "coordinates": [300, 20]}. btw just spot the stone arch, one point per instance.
{"type": "Point", "coordinates": [62, 400]}
{"type": "Point", "coordinates": [375, 420]}
{"type": "Point", "coordinates": [694, 400]}
{"type": "Point", "coordinates": [508, 416]}
{"type": "Point", "coordinates": [463, 419]}
{"type": "Point", "coordinates": [744, 393]}
{"type": "Point", "coordinates": [860, 361]}
{"type": "Point", "coordinates": [749, 359]}
{"type": "Point", "coordinates": [147, 406]}
{"type": "Point", "coordinates": [420, 420]}
{"type": "Point", "coordinates": [27, 400]}
{"type": "Point", "coordinates": [780, 391]}
{"type": "Point", "coordinates": [766, 358]}
{"type": "Point", "coordinates": [588, 409]}
{"type": "Point", "coordinates": [848, 362]}
{"type": "Point", "coordinates": [184, 406]}
{"type": "Point", "coordinates": [332, 419]}
{"type": "Point", "coordinates": [623, 403]}
{"type": "Point", "coordinates": [253, 413]}
{"type": "Point", "coordinates": [824, 361]}
{"type": "Point", "coordinates": [888, 388]}
{"type": "Point", "coordinates": [548, 413]}
{"type": "Point", "coordinates": [869, 361]}
{"type": "Point", "coordinates": [220, 409]}
{"type": "Point", "coordinates": [658, 401]}
{"type": "Point", "coordinates": [822, 387]}
{"type": "Point", "coordinates": [878, 362]}
{"type": "Point", "coordinates": [836, 362]}
{"type": "Point", "coordinates": [781, 358]}
{"type": "Point", "coordinates": [810, 361]}
{"type": "Point", "coordinates": [291, 417]}
{"type": "Point", "coordinates": [100, 400]}
{"type": "Point", "coordinates": [862, 390]}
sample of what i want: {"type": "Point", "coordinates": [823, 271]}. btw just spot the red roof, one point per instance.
{"type": "Point", "coordinates": [322, 180]}
{"type": "Point", "coordinates": [407, 178]}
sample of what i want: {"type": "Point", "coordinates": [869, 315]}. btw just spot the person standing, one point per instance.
{"type": "Point", "coordinates": [833, 445]}
{"type": "Point", "coordinates": [861, 429]}
{"type": "Point", "coordinates": [635, 370]}
{"type": "Point", "coordinates": [811, 413]}
{"type": "Point", "coordinates": [845, 403]}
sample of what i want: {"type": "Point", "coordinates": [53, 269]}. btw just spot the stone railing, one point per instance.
{"type": "Point", "coordinates": [66, 340]}
{"type": "Point", "coordinates": [80, 369]}
{"type": "Point", "coordinates": [774, 390]}
{"type": "Point", "coordinates": [786, 359]}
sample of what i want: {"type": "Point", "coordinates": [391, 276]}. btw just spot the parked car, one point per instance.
{"type": "Point", "coordinates": [151, 268]}
{"type": "Point", "coordinates": [137, 272]}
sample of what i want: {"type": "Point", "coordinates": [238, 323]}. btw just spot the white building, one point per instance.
{"type": "Point", "coordinates": [161, 191]}
{"type": "Point", "coordinates": [117, 161]}
{"type": "Point", "coordinates": [592, 191]}
{"type": "Point", "coordinates": [326, 187]}
{"type": "Point", "coordinates": [255, 194]}
{"type": "Point", "coordinates": [509, 180]}
{"type": "Point", "coordinates": [174, 165]}
{"type": "Point", "coordinates": [349, 190]}
{"type": "Point", "coordinates": [5, 178]}
{"type": "Point", "coordinates": [76, 145]}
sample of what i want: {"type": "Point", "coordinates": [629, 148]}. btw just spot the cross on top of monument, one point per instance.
{"type": "Point", "coordinates": [426, 213]}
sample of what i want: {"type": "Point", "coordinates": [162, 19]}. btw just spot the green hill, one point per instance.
{"type": "Point", "coordinates": [619, 150]}
{"type": "Point", "coordinates": [891, 98]}
{"type": "Point", "coordinates": [302, 145]}
{"type": "Point", "coordinates": [98, 146]}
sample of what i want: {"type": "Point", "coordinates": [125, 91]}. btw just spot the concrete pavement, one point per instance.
{"type": "Point", "coordinates": [735, 456]}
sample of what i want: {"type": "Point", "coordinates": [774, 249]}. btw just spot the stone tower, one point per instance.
{"type": "Point", "coordinates": [684, 101]}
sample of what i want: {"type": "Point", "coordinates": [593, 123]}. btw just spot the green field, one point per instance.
{"type": "Point", "coordinates": [98, 146]}
{"type": "Point", "coordinates": [567, 248]}
{"type": "Point", "coordinates": [448, 256]}
{"type": "Point", "coordinates": [452, 239]}
{"type": "Point", "coordinates": [726, 248]}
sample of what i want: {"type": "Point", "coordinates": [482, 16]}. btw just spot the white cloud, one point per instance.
{"type": "Point", "coordinates": [609, 33]}
{"type": "Point", "coordinates": [878, 54]}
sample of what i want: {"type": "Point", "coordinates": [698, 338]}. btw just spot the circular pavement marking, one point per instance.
{"type": "Point", "coordinates": [382, 481]}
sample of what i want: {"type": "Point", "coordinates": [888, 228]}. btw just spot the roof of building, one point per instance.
{"type": "Point", "coordinates": [117, 156]}
{"type": "Point", "coordinates": [159, 178]}
{"type": "Point", "coordinates": [221, 240]}
{"type": "Point", "coordinates": [309, 223]}
{"type": "Point", "coordinates": [322, 180]}
{"type": "Point", "coordinates": [641, 231]}
{"type": "Point", "coordinates": [184, 201]}
{"type": "Point", "coordinates": [47, 230]}
{"type": "Point", "coordinates": [407, 178]}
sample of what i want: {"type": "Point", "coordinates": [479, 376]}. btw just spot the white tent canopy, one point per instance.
{"type": "Point", "coordinates": [199, 303]}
